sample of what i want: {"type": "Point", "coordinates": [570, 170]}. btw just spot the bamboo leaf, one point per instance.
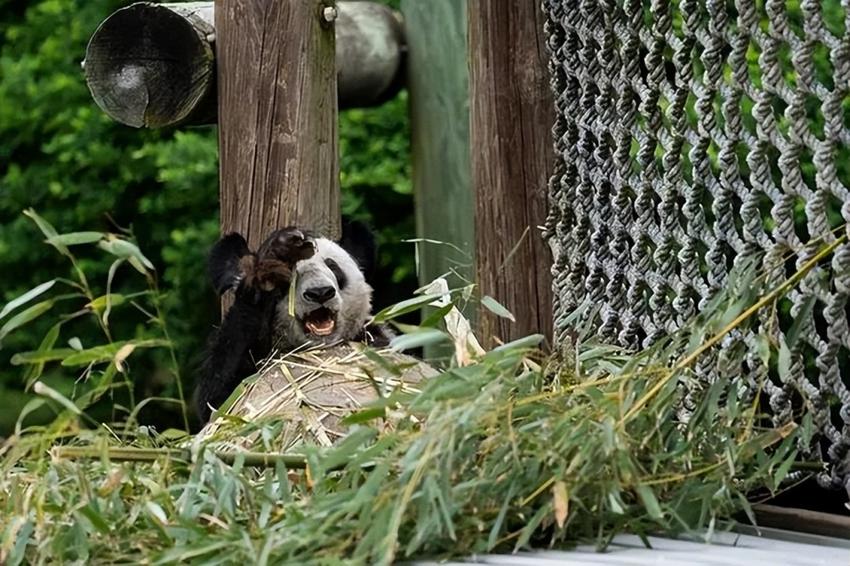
{"type": "Point", "coordinates": [364, 416]}
{"type": "Point", "coordinates": [496, 308]}
{"type": "Point", "coordinates": [418, 339]}
{"type": "Point", "coordinates": [106, 301]}
{"type": "Point", "coordinates": [75, 238]}
{"type": "Point", "coordinates": [784, 361]}
{"type": "Point", "coordinates": [531, 341]}
{"type": "Point", "coordinates": [24, 317]}
{"type": "Point", "coordinates": [46, 227]}
{"type": "Point", "coordinates": [406, 328]}
{"type": "Point", "coordinates": [96, 519]}
{"type": "Point", "coordinates": [405, 307]}
{"type": "Point", "coordinates": [157, 513]}
{"type": "Point", "coordinates": [173, 434]}
{"type": "Point", "coordinates": [35, 371]}
{"type": "Point", "coordinates": [110, 276]}
{"type": "Point", "coordinates": [802, 316]}
{"type": "Point", "coordinates": [437, 316]}
{"type": "Point", "coordinates": [31, 406]}
{"type": "Point", "coordinates": [41, 356]}
{"type": "Point", "coordinates": [92, 355]}
{"type": "Point", "coordinates": [496, 529]}
{"type": "Point", "coordinates": [137, 265]}
{"type": "Point", "coordinates": [108, 352]}
{"type": "Point", "coordinates": [615, 503]}
{"type": "Point", "coordinates": [763, 348]}
{"type": "Point", "coordinates": [24, 529]}
{"type": "Point", "coordinates": [377, 358]}
{"type": "Point", "coordinates": [46, 391]}
{"type": "Point", "coordinates": [26, 297]}
{"type": "Point", "coordinates": [126, 250]}
{"type": "Point", "coordinates": [122, 354]}
{"type": "Point", "coordinates": [560, 503]}
{"type": "Point", "coordinates": [783, 469]}
{"type": "Point", "coordinates": [531, 526]}
{"type": "Point", "coordinates": [650, 502]}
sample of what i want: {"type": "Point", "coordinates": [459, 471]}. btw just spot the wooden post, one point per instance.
{"type": "Point", "coordinates": [438, 79]}
{"type": "Point", "coordinates": [511, 118]}
{"type": "Point", "coordinates": [152, 65]}
{"type": "Point", "coordinates": [277, 108]}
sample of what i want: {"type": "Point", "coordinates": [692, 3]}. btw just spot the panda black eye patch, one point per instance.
{"type": "Point", "coordinates": [341, 279]}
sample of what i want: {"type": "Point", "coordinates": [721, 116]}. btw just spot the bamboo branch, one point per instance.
{"type": "Point", "coordinates": [119, 454]}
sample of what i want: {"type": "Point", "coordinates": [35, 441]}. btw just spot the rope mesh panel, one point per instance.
{"type": "Point", "coordinates": [692, 135]}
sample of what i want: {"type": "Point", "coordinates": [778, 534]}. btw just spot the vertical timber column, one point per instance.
{"type": "Point", "coordinates": [277, 108]}
{"type": "Point", "coordinates": [510, 123]}
{"type": "Point", "coordinates": [438, 83]}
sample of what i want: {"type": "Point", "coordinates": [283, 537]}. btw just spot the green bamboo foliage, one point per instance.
{"type": "Point", "coordinates": [516, 449]}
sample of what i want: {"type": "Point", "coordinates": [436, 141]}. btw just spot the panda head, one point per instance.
{"type": "Point", "coordinates": [332, 302]}
{"type": "Point", "coordinates": [332, 299]}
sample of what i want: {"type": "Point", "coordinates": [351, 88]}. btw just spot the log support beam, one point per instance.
{"type": "Point", "coordinates": [154, 65]}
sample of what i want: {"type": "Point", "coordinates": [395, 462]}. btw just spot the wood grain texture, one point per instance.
{"type": "Point", "coordinates": [511, 118]}
{"type": "Point", "coordinates": [152, 65]}
{"type": "Point", "coordinates": [438, 78]}
{"type": "Point", "coordinates": [803, 520]}
{"type": "Point", "coordinates": [277, 108]}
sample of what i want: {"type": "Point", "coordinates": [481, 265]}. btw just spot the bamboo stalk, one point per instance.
{"type": "Point", "coordinates": [255, 459]}
{"type": "Point", "coordinates": [769, 298]}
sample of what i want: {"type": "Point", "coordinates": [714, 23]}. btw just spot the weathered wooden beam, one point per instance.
{"type": "Point", "coordinates": [438, 79]}
{"type": "Point", "coordinates": [511, 117]}
{"type": "Point", "coordinates": [803, 520]}
{"type": "Point", "coordinates": [153, 65]}
{"type": "Point", "coordinates": [277, 105]}
{"type": "Point", "coordinates": [438, 87]}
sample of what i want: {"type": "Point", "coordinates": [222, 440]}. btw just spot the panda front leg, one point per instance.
{"type": "Point", "coordinates": [235, 348]}
{"type": "Point", "coordinates": [244, 338]}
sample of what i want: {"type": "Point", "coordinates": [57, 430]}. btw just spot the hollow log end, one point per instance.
{"type": "Point", "coordinates": [136, 64]}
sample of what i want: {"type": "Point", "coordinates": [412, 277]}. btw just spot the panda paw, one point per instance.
{"type": "Point", "coordinates": [289, 245]}
{"type": "Point", "coordinates": [278, 255]}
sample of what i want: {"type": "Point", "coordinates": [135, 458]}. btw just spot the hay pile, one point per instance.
{"type": "Point", "coordinates": [313, 389]}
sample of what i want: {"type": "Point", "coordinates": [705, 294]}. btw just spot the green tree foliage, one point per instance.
{"type": "Point", "coordinates": [60, 155]}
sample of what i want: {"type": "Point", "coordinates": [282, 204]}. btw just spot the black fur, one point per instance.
{"type": "Point", "coordinates": [244, 337]}
{"type": "Point", "coordinates": [357, 239]}
{"type": "Point", "coordinates": [377, 335]}
{"type": "Point", "coordinates": [341, 279]}
{"type": "Point", "coordinates": [223, 263]}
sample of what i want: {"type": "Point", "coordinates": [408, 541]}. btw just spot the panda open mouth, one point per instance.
{"type": "Point", "coordinates": [320, 322]}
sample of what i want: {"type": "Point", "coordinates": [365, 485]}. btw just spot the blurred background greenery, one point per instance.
{"type": "Point", "coordinates": [60, 155]}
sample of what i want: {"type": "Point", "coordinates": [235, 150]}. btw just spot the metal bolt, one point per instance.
{"type": "Point", "coordinates": [329, 14]}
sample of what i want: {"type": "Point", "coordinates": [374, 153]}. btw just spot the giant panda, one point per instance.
{"type": "Point", "coordinates": [332, 302]}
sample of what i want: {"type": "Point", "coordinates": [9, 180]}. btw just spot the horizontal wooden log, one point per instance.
{"type": "Point", "coordinates": [803, 520]}
{"type": "Point", "coordinates": [153, 65]}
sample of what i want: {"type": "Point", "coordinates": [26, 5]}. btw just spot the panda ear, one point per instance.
{"type": "Point", "coordinates": [223, 263]}
{"type": "Point", "coordinates": [359, 241]}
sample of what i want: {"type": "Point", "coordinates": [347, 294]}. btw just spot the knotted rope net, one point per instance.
{"type": "Point", "coordinates": [692, 135]}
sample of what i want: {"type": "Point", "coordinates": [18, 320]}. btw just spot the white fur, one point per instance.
{"type": "Point", "coordinates": [352, 304]}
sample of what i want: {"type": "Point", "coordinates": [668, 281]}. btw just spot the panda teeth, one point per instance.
{"type": "Point", "coordinates": [320, 322]}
